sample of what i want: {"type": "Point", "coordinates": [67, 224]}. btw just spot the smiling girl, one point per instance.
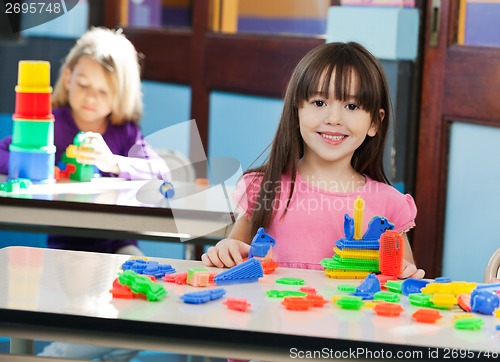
{"type": "Point", "coordinates": [327, 151]}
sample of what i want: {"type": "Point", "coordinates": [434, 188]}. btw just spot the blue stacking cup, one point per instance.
{"type": "Point", "coordinates": [36, 164]}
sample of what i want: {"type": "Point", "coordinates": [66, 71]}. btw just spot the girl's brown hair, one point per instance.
{"type": "Point", "coordinates": [313, 73]}
{"type": "Point", "coordinates": [120, 60]}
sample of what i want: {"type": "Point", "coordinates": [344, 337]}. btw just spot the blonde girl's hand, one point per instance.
{"type": "Point", "coordinates": [226, 253]}
{"type": "Point", "coordinates": [94, 151]}
{"type": "Point", "coordinates": [411, 271]}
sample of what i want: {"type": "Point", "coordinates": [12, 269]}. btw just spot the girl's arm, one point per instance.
{"type": "Point", "coordinates": [232, 250]}
{"type": "Point", "coordinates": [409, 268]}
{"type": "Point", "coordinates": [141, 162]}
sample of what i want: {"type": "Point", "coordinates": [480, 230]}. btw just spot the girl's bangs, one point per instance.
{"type": "Point", "coordinates": [317, 81]}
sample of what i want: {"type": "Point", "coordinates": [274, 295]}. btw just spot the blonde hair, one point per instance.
{"type": "Point", "coordinates": [120, 60]}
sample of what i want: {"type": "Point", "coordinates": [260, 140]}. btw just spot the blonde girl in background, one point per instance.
{"type": "Point", "coordinates": [99, 92]}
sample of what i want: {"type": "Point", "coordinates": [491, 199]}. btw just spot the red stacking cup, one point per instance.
{"type": "Point", "coordinates": [33, 106]}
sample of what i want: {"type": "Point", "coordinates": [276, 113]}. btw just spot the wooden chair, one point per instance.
{"type": "Point", "coordinates": [493, 268]}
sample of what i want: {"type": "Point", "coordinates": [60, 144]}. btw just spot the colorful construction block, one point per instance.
{"type": "Point", "coordinates": [154, 268]}
{"type": "Point", "coordinates": [238, 304]}
{"type": "Point", "coordinates": [203, 297]}
{"type": "Point", "coordinates": [261, 244]}
{"type": "Point", "coordinates": [142, 284]}
{"type": "Point", "coordinates": [247, 272]}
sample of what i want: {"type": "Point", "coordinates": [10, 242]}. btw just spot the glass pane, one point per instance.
{"type": "Point", "coordinates": [479, 23]}
{"type": "Point", "coordinates": [298, 17]}
{"type": "Point", "coordinates": [156, 13]}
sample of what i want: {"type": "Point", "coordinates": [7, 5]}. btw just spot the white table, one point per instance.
{"type": "Point", "coordinates": [63, 295]}
{"type": "Point", "coordinates": [118, 208]}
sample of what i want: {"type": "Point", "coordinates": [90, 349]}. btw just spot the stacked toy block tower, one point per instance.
{"type": "Point", "coordinates": [32, 151]}
{"type": "Point", "coordinates": [70, 168]}
{"type": "Point", "coordinates": [357, 255]}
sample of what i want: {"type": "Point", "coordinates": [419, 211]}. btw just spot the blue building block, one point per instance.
{"type": "Point", "coordinates": [371, 284]}
{"type": "Point", "coordinates": [153, 268]}
{"type": "Point", "coordinates": [348, 227]}
{"type": "Point", "coordinates": [376, 227]}
{"type": "Point", "coordinates": [247, 272]}
{"type": "Point", "coordinates": [261, 244]}
{"type": "Point", "coordinates": [167, 190]}
{"type": "Point", "coordinates": [413, 286]}
{"type": "Point", "coordinates": [203, 296]}
{"type": "Point", "coordinates": [357, 244]}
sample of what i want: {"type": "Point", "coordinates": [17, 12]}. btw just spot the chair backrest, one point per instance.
{"type": "Point", "coordinates": [493, 268]}
{"type": "Point", "coordinates": [180, 166]}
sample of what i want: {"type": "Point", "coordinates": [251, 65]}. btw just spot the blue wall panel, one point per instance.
{"type": "Point", "coordinates": [166, 105]}
{"type": "Point", "coordinates": [242, 126]}
{"type": "Point", "coordinates": [472, 212]}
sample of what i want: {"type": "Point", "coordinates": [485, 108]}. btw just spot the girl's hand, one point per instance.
{"type": "Point", "coordinates": [226, 253]}
{"type": "Point", "coordinates": [411, 271]}
{"type": "Point", "coordinates": [94, 151]}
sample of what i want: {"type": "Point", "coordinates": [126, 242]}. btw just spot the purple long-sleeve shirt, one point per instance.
{"type": "Point", "coordinates": [136, 159]}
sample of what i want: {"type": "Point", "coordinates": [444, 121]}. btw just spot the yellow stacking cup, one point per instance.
{"type": "Point", "coordinates": [33, 77]}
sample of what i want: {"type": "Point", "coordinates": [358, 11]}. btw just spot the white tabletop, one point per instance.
{"type": "Point", "coordinates": [65, 294]}
{"type": "Point", "coordinates": [133, 208]}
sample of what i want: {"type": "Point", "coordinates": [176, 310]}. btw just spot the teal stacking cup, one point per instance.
{"type": "Point", "coordinates": [32, 133]}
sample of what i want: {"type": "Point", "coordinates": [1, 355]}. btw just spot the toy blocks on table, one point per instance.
{"type": "Point", "coordinates": [472, 324]}
{"type": "Point", "coordinates": [454, 288]}
{"type": "Point", "coordinates": [420, 299]}
{"type": "Point", "coordinates": [153, 268]}
{"type": "Point", "coordinates": [198, 277]}
{"type": "Point", "coordinates": [202, 297]}
{"type": "Point", "coordinates": [443, 301]}
{"type": "Point", "coordinates": [356, 256]}
{"type": "Point", "coordinates": [316, 300]}
{"type": "Point", "coordinates": [483, 302]}
{"type": "Point", "coordinates": [261, 244]}
{"type": "Point", "coordinates": [296, 303]}
{"type": "Point", "coordinates": [388, 297]}
{"type": "Point", "coordinates": [346, 274]}
{"type": "Point", "coordinates": [180, 278]}
{"type": "Point", "coordinates": [463, 301]}
{"type": "Point", "coordinates": [167, 189]}
{"type": "Point", "coordinates": [82, 172]}
{"type": "Point", "coordinates": [142, 284]}
{"type": "Point", "coordinates": [273, 293]}
{"type": "Point", "coordinates": [388, 309]}
{"type": "Point", "coordinates": [336, 263]}
{"type": "Point", "coordinates": [391, 253]}
{"type": "Point", "coordinates": [411, 285]}
{"type": "Point", "coordinates": [370, 285]}
{"type": "Point", "coordinates": [238, 304]}
{"type": "Point", "coordinates": [357, 253]}
{"type": "Point", "coordinates": [269, 266]}
{"type": "Point", "coordinates": [247, 272]}
{"type": "Point", "coordinates": [349, 302]}
{"type": "Point", "coordinates": [346, 288]}
{"type": "Point", "coordinates": [15, 185]}
{"type": "Point", "coordinates": [376, 227]}
{"type": "Point", "coordinates": [395, 286]}
{"type": "Point", "coordinates": [426, 315]}
{"type": "Point", "coordinates": [290, 281]}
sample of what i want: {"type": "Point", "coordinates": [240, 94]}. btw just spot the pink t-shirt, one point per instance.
{"type": "Point", "coordinates": [306, 234]}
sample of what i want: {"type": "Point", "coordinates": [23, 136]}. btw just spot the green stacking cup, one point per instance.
{"type": "Point", "coordinates": [32, 134]}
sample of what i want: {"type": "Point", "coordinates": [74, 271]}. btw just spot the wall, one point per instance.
{"type": "Point", "coordinates": [472, 213]}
